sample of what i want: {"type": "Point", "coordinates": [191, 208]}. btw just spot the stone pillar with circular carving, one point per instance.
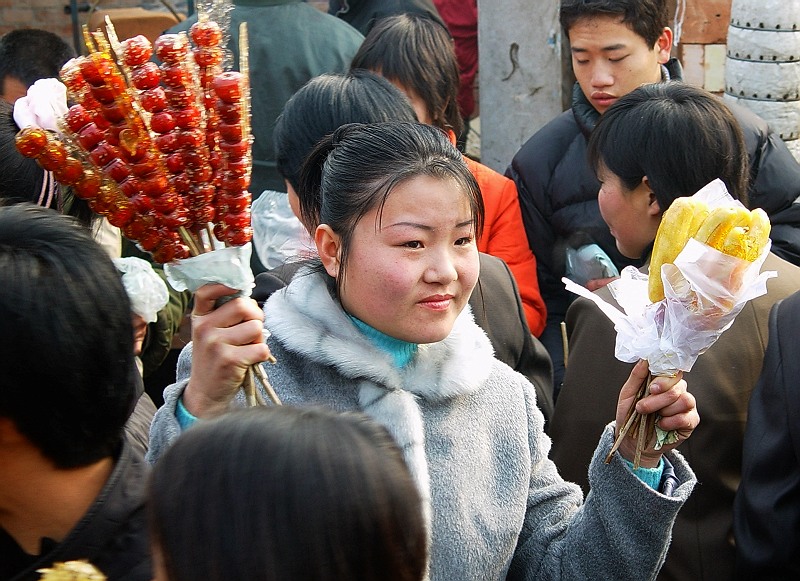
{"type": "Point", "coordinates": [762, 68]}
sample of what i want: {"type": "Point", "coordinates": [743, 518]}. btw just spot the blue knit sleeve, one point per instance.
{"type": "Point", "coordinates": [185, 418]}
{"type": "Point", "coordinates": [650, 476]}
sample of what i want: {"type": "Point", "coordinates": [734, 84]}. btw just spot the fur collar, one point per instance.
{"type": "Point", "coordinates": [305, 319]}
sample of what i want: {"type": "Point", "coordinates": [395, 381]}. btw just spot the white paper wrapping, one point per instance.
{"type": "Point", "coordinates": [146, 290]}
{"type": "Point", "coordinates": [229, 266]}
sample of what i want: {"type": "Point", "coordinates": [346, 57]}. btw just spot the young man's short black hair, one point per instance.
{"type": "Point", "coordinates": [30, 54]}
{"type": "Point", "coordinates": [66, 340]}
{"type": "Point", "coordinates": [647, 18]}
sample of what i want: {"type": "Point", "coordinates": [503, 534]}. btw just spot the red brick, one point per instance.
{"type": "Point", "coordinates": [706, 22]}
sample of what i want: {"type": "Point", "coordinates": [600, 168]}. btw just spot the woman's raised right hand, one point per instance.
{"type": "Point", "coordinates": [226, 340]}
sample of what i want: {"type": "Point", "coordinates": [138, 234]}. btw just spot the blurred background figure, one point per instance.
{"type": "Point", "coordinates": [364, 14]}
{"type": "Point", "coordinates": [27, 55]}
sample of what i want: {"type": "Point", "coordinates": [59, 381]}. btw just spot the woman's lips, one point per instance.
{"type": "Point", "coordinates": [436, 302]}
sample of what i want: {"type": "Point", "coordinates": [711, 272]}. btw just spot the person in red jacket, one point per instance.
{"type": "Point", "coordinates": [461, 19]}
{"type": "Point", "coordinates": [416, 54]}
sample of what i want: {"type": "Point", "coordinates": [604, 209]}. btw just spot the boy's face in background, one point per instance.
{"type": "Point", "coordinates": [610, 60]}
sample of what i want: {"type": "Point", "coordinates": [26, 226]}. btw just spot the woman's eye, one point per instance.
{"type": "Point", "coordinates": [413, 244]}
{"type": "Point", "coordinates": [464, 241]}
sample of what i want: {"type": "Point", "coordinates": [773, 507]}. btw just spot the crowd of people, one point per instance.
{"type": "Point", "coordinates": [432, 424]}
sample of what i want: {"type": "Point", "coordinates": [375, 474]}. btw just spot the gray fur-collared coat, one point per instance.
{"type": "Point", "coordinates": [472, 436]}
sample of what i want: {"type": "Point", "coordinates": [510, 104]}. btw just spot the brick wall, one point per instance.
{"type": "Point", "coordinates": [702, 43]}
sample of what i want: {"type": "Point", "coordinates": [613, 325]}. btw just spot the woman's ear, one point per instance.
{"type": "Point", "coordinates": [329, 248]}
{"type": "Point", "coordinates": [653, 207]}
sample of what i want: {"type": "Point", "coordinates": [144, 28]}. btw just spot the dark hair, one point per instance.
{"type": "Point", "coordinates": [21, 178]}
{"type": "Point", "coordinates": [66, 341]}
{"type": "Point", "coordinates": [356, 168]}
{"type": "Point", "coordinates": [30, 54]}
{"type": "Point", "coordinates": [647, 18]}
{"type": "Point", "coordinates": [416, 52]}
{"type": "Point", "coordinates": [287, 494]}
{"type": "Point", "coordinates": [324, 104]}
{"type": "Point", "coordinates": [677, 135]}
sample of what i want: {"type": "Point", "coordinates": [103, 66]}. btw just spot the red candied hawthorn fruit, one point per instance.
{"type": "Point", "coordinates": [187, 118]}
{"type": "Point", "coordinates": [228, 112]}
{"type": "Point", "coordinates": [88, 187]}
{"type": "Point", "coordinates": [77, 117]}
{"type": "Point", "coordinates": [147, 76]}
{"type": "Point", "coordinates": [69, 172]}
{"type": "Point", "coordinates": [96, 69]}
{"type": "Point", "coordinates": [237, 221]}
{"type": "Point", "coordinates": [235, 151]}
{"type": "Point", "coordinates": [153, 100]}
{"type": "Point", "coordinates": [174, 76]}
{"type": "Point", "coordinates": [31, 141]}
{"type": "Point", "coordinates": [162, 122]}
{"type": "Point", "coordinates": [122, 213]}
{"type": "Point", "coordinates": [207, 57]}
{"type": "Point", "coordinates": [90, 136]}
{"type": "Point", "coordinates": [231, 132]}
{"type": "Point", "coordinates": [105, 94]}
{"type": "Point", "coordinates": [170, 48]}
{"type": "Point", "coordinates": [103, 154]}
{"type": "Point", "coordinates": [239, 237]}
{"type": "Point", "coordinates": [206, 33]}
{"type": "Point", "coordinates": [227, 86]}
{"type": "Point", "coordinates": [53, 156]}
{"type": "Point", "coordinates": [136, 51]}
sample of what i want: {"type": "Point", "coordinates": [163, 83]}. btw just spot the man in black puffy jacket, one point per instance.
{"type": "Point", "coordinates": [617, 45]}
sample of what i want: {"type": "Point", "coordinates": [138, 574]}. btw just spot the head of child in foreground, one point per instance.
{"type": "Point", "coordinates": [286, 494]}
{"type": "Point", "coordinates": [660, 142]}
{"type": "Point", "coordinates": [399, 213]}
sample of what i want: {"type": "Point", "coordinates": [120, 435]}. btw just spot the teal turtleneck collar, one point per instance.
{"type": "Point", "coordinates": [401, 351]}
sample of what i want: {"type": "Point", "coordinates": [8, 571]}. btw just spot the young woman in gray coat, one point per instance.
{"type": "Point", "coordinates": [381, 326]}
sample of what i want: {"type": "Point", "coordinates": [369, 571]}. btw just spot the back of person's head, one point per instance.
{"type": "Point", "coordinates": [677, 135]}
{"type": "Point", "coordinates": [324, 104]}
{"type": "Point", "coordinates": [356, 168]}
{"type": "Point", "coordinates": [416, 53]}
{"type": "Point", "coordinates": [287, 494]}
{"type": "Point", "coordinates": [30, 54]}
{"type": "Point", "coordinates": [66, 340]}
{"type": "Point", "coordinates": [647, 18]}
{"type": "Point", "coordinates": [22, 180]}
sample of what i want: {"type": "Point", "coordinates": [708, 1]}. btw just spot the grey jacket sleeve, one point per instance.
{"type": "Point", "coordinates": [623, 528]}
{"type": "Point", "coordinates": [165, 428]}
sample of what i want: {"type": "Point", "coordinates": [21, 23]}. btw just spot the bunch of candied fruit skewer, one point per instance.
{"type": "Point", "coordinates": [162, 151]}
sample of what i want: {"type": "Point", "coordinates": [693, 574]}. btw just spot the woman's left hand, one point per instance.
{"type": "Point", "coordinates": [668, 398]}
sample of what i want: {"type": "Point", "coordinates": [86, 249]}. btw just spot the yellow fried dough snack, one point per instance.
{"type": "Point", "coordinates": [679, 223]}
{"type": "Point", "coordinates": [736, 231]}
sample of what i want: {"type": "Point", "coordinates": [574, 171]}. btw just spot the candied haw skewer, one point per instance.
{"type": "Point", "coordinates": [124, 149]}
{"type": "Point", "coordinates": [233, 198]}
{"type": "Point", "coordinates": [51, 154]}
{"type": "Point", "coordinates": [184, 129]}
